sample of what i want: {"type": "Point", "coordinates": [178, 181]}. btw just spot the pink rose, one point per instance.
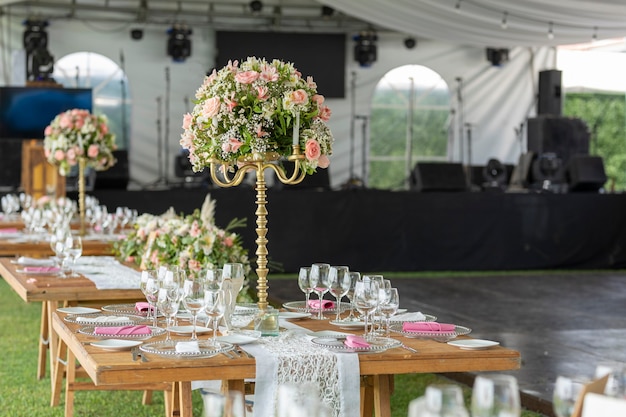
{"type": "Point", "coordinates": [79, 123]}
{"type": "Point", "coordinates": [246, 77]}
{"type": "Point", "coordinates": [104, 129]}
{"type": "Point", "coordinates": [48, 131]}
{"type": "Point", "coordinates": [318, 98]}
{"type": "Point", "coordinates": [65, 121]}
{"type": "Point", "coordinates": [312, 150]}
{"type": "Point", "coordinates": [93, 151]}
{"type": "Point", "coordinates": [211, 107]}
{"type": "Point", "coordinates": [187, 119]}
{"type": "Point", "coordinates": [59, 155]}
{"type": "Point", "coordinates": [299, 97]}
{"type": "Point", "coordinates": [323, 162]}
{"type": "Point", "coordinates": [324, 113]}
{"type": "Point", "coordinates": [194, 265]}
{"type": "Point", "coordinates": [232, 145]}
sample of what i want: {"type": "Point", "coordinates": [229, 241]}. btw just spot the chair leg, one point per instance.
{"type": "Point", "coordinates": [69, 380]}
{"type": "Point", "coordinates": [147, 397]}
{"type": "Point", "coordinates": [43, 342]}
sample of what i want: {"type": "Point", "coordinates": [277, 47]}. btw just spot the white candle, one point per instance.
{"type": "Point", "coordinates": [296, 129]}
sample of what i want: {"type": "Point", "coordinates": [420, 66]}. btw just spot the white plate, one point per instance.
{"type": "Point", "coordinates": [78, 310]}
{"type": "Point", "coordinates": [241, 338]}
{"type": "Point", "coordinates": [328, 333]}
{"type": "Point", "coordinates": [116, 344]}
{"type": "Point", "coordinates": [54, 271]}
{"type": "Point", "coordinates": [348, 325]}
{"type": "Point", "coordinates": [187, 330]}
{"type": "Point", "coordinates": [473, 344]}
{"type": "Point", "coordinates": [292, 315]}
{"type": "Point", "coordinates": [401, 311]}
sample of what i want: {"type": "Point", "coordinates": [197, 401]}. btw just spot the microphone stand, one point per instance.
{"type": "Point", "coordinates": [167, 125]}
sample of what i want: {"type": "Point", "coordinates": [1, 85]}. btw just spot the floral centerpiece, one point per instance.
{"type": "Point", "coordinates": [257, 107]}
{"type": "Point", "coordinates": [192, 242]}
{"type": "Point", "coordinates": [76, 134]}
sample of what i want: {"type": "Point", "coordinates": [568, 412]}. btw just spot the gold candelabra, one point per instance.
{"type": "Point", "coordinates": [259, 162]}
{"type": "Point", "coordinates": [81, 194]}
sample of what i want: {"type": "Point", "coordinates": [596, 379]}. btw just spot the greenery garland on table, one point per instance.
{"type": "Point", "coordinates": [192, 242]}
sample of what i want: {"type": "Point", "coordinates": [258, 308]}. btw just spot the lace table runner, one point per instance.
{"type": "Point", "coordinates": [290, 359]}
{"type": "Point", "coordinates": [107, 273]}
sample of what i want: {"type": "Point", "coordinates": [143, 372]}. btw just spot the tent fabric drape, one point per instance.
{"type": "Point", "coordinates": [495, 23]}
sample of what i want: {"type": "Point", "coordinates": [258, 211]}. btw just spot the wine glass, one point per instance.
{"type": "Point", "coordinates": [230, 404]}
{"type": "Point", "coordinates": [338, 285]}
{"type": "Point", "coordinates": [74, 248]}
{"type": "Point", "coordinates": [389, 306]}
{"type": "Point", "coordinates": [193, 300]}
{"type": "Point", "coordinates": [366, 299]}
{"type": "Point", "coordinates": [213, 278]}
{"type": "Point", "coordinates": [168, 301]}
{"type": "Point", "coordinates": [319, 281]}
{"type": "Point", "coordinates": [496, 395]}
{"type": "Point", "coordinates": [566, 392]}
{"type": "Point", "coordinates": [354, 278]}
{"type": "Point", "coordinates": [304, 282]}
{"type": "Point", "coordinates": [214, 307]}
{"type": "Point", "coordinates": [444, 400]}
{"type": "Point", "coordinates": [149, 285]}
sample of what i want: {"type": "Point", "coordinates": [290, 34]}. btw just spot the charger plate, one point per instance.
{"type": "Point", "coordinates": [440, 336]}
{"type": "Point", "coordinates": [104, 319]}
{"type": "Point", "coordinates": [167, 348]}
{"type": "Point", "coordinates": [337, 344]}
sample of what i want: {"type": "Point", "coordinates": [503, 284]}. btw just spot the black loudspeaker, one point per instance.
{"type": "Point", "coordinates": [550, 97]}
{"type": "Point", "coordinates": [563, 136]}
{"type": "Point", "coordinates": [586, 173]}
{"type": "Point", "coordinates": [10, 163]}
{"type": "Point", "coordinates": [439, 176]}
{"type": "Point", "coordinates": [117, 176]}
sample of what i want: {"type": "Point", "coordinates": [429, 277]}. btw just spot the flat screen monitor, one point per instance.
{"type": "Point", "coordinates": [26, 111]}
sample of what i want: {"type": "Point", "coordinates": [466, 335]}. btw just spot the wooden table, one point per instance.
{"type": "Point", "coordinates": [51, 291]}
{"type": "Point", "coordinates": [118, 368]}
{"type": "Point", "coordinates": [41, 248]}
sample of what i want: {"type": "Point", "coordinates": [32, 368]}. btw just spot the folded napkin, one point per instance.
{"type": "Point", "coordinates": [9, 230]}
{"type": "Point", "coordinates": [187, 347]}
{"type": "Point", "coordinates": [325, 304]}
{"type": "Point", "coordinates": [143, 306]}
{"type": "Point", "coordinates": [355, 341]}
{"type": "Point", "coordinates": [27, 260]}
{"type": "Point", "coordinates": [122, 330]}
{"type": "Point", "coordinates": [415, 316]}
{"type": "Point", "coordinates": [428, 326]}
{"type": "Point", "coordinates": [42, 269]}
{"type": "Point", "coordinates": [103, 319]}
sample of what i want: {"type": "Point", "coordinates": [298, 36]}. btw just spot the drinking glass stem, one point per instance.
{"type": "Point", "coordinates": [168, 321]}
{"type": "Point", "coordinates": [155, 314]}
{"type": "Point", "coordinates": [194, 319]}
{"type": "Point", "coordinates": [319, 307]}
{"type": "Point", "coordinates": [307, 296]}
{"type": "Point", "coordinates": [366, 322]}
{"type": "Point", "coordinates": [337, 307]}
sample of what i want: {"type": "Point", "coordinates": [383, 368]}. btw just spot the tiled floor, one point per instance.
{"type": "Point", "coordinates": [561, 322]}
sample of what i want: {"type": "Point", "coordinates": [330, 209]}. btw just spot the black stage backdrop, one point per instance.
{"type": "Point", "coordinates": [371, 230]}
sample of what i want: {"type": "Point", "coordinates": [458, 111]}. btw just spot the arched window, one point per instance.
{"type": "Point", "coordinates": [409, 122]}
{"type": "Point", "coordinates": [108, 82]}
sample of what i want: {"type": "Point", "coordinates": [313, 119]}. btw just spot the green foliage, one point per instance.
{"type": "Point", "coordinates": [605, 115]}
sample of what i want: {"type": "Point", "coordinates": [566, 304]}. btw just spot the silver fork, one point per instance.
{"type": "Point", "coordinates": [410, 349]}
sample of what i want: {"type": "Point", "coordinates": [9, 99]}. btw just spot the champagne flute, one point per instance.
{"type": "Point", "coordinates": [74, 248]}
{"type": "Point", "coordinates": [193, 300]}
{"type": "Point", "coordinates": [304, 282]}
{"type": "Point", "coordinates": [389, 307]}
{"type": "Point", "coordinates": [366, 300]}
{"type": "Point", "coordinates": [214, 307]}
{"type": "Point", "coordinates": [566, 392]}
{"type": "Point", "coordinates": [234, 274]}
{"type": "Point", "coordinates": [495, 395]}
{"type": "Point", "coordinates": [319, 281]}
{"type": "Point", "coordinates": [338, 285]}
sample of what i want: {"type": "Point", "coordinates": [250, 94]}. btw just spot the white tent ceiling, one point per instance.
{"type": "Point", "coordinates": [494, 23]}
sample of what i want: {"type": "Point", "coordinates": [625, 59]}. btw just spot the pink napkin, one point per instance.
{"type": "Point", "coordinates": [315, 304]}
{"type": "Point", "coordinates": [142, 306]}
{"type": "Point", "coordinates": [42, 269]}
{"type": "Point", "coordinates": [427, 326]}
{"type": "Point", "coordinates": [355, 341]}
{"type": "Point", "coordinates": [122, 330]}
{"type": "Point", "coordinates": [9, 230]}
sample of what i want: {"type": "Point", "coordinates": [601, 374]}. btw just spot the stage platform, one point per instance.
{"type": "Point", "coordinates": [372, 230]}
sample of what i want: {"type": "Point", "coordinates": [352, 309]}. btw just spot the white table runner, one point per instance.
{"type": "Point", "coordinates": [107, 273]}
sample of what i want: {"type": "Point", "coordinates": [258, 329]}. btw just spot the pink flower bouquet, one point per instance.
{"type": "Point", "coordinates": [257, 107]}
{"type": "Point", "coordinates": [76, 134]}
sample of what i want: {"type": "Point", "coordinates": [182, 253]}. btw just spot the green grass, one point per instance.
{"type": "Point", "coordinates": [22, 395]}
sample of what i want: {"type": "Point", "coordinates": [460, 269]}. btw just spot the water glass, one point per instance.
{"type": "Point", "coordinates": [214, 307]}
{"type": "Point", "coordinates": [389, 306]}
{"type": "Point", "coordinates": [193, 300]}
{"type": "Point", "coordinates": [168, 302]}
{"type": "Point", "coordinates": [444, 400]}
{"type": "Point", "coordinates": [566, 393]}
{"type": "Point", "coordinates": [495, 395]}
{"type": "Point", "coordinates": [219, 405]}
{"type": "Point", "coordinates": [149, 285]}
{"type": "Point", "coordinates": [366, 300]}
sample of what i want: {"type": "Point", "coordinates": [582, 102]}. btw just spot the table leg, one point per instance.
{"type": "Point", "coordinates": [382, 395]}
{"type": "Point", "coordinates": [367, 396]}
{"type": "Point", "coordinates": [181, 399]}
{"type": "Point", "coordinates": [43, 342]}
{"type": "Point", "coordinates": [70, 377]}
{"type": "Point", "coordinates": [58, 358]}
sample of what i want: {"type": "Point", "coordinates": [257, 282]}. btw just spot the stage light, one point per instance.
{"type": "Point", "coordinates": [365, 50]}
{"type": "Point", "coordinates": [136, 34]}
{"type": "Point", "coordinates": [256, 6]}
{"type": "Point", "coordinates": [410, 42]}
{"type": "Point", "coordinates": [327, 11]}
{"type": "Point", "coordinates": [497, 57]}
{"type": "Point", "coordinates": [35, 35]}
{"type": "Point", "coordinates": [179, 44]}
